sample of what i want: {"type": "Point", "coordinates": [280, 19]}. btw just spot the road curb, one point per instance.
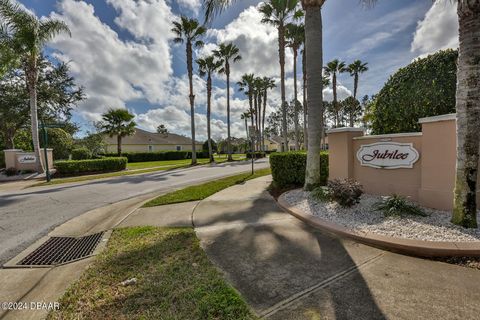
{"type": "Point", "coordinates": [419, 248]}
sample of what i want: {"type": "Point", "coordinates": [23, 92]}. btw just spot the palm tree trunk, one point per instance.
{"type": "Point", "coordinates": [468, 115]}
{"type": "Point", "coordinates": [281, 54]}
{"type": "Point", "coordinates": [209, 96]}
{"type": "Point", "coordinates": [313, 46]}
{"type": "Point", "coordinates": [32, 77]}
{"type": "Point", "coordinates": [305, 108]}
{"type": "Point", "coordinates": [229, 145]}
{"type": "Point", "coordinates": [335, 103]}
{"type": "Point", "coordinates": [255, 106]}
{"type": "Point", "coordinates": [295, 95]}
{"type": "Point", "coordinates": [259, 133]}
{"type": "Point", "coordinates": [119, 145]}
{"type": "Point", "coordinates": [192, 101]}
{"type": "Point", "coordinates": [263, 118]}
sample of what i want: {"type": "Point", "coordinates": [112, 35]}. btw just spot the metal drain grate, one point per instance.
{"type": "Point", "coordinates": [59, 250]}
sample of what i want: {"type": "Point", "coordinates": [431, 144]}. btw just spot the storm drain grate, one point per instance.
{"type": "Point", "coordinates": [59, 250]}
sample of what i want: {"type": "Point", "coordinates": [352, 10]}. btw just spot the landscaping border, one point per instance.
{"type": "Point", "coordinates": [419, 248]}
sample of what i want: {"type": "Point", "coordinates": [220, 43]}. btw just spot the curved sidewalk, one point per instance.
{"type": "Point", "coordinates": [286, 269]}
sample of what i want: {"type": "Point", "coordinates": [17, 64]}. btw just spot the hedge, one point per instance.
{"type": "Point", "coordinates": [159, 156]}
{"type": "Point", "coordinates": [71, 167]}
{"type": "Point", "coordinates": [288, 168]}
{"type": "Point", "coordinates": [258, 155]}
{"type": "Point", "coordinates": [2, 159]}
{"type": "Point", "coordinates": [81, 154]}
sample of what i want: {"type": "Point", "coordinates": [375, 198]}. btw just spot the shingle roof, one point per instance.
{"type": "Point", "coordinates": [145, 137]}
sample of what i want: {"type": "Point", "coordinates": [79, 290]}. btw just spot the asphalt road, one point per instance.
{"type": "Point", "coordinates": [29, 214]}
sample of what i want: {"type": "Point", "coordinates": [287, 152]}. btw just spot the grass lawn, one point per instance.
{"type": "Point", "coordinates": [204, 190]}
{"type": "Point", "coordinates": [183, 162]}
{"type": "Point", "coordinates": [175, 280]}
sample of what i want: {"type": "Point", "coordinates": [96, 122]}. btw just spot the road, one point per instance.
{"type": "Point", "coordinates": [29, 214]}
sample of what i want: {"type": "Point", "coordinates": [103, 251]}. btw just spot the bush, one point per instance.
{"type": "Point", "coordinates": [158, 156]}
{"type": "Point", "coordinates": [2, 159]}
{"type": "Point", "coordinates": [321, 194]}
{"type": "Point", "coordinates": [396, 205]}
{"type": "Point", "coordinates": [72, 167]}
{"type": "Point", "coordinates": [345, 192]}
{"type": "Point", "coordinates": [257, 155]}
{"type": "Point", "coordinates": [81, 154]}
{"type": "Point", "coordinates": [11, 172]}
{"type": "Point", "coordinates": [288, 168]}
{"type": "Point", "coordinates": [60, 141]}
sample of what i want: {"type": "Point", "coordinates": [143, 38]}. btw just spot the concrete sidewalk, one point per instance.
{"type": "Point", "coordinates": [288, 270]}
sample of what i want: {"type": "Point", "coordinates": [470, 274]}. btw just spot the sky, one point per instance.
{"type": "Point", "coordinates": [122, 52]}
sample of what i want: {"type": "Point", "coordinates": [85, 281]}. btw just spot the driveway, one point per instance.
{"type": "Point", "coordinates": [29, 214]}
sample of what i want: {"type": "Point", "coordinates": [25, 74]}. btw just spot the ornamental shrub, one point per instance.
{"type": "Point", "coordinates": [396, 205]}
{"type": "Point", "coordinates": [288, 168]}
{"type": "Point", "coordinates": [73, 167]}
{"type": "Point", "coordinates": [159, 156]}
{"type": "Point", "coordinates": [11, 172]}
{"type": "Point", "coordinates": [345, 192]}
{"type": "Point", "coordinates": [81, 154]}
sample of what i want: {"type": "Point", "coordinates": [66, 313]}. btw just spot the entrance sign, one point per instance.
{"type": "Point", "coordinates": [388, 155]}
{"type": "Point", "coordinates": [27, 158]}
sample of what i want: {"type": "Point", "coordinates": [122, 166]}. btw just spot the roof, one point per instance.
{"type": "Point", "coordinates": [145, 137]}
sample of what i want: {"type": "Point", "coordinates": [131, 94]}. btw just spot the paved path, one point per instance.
{"type": "Point", "coordinates": [27, 215]}
{"type": "Point", "coordinates": [288, 270]}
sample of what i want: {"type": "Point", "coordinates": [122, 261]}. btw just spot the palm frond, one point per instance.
{"type": "Point", "coordinates": [214, 7]}
{"type": "Point", "coordinates": [48, 29]}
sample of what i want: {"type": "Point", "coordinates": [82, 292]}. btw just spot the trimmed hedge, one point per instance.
{"type": "Point", "coordinates": [159, 156]}
{"type": "Point", "coordinates": [72, 167]}
{"type": "Point", "coordinates": [81, 154]}
{"type": "Point", "coordinates": [288, 168]}
{"type": "Point", "coordinates": [258, 155]}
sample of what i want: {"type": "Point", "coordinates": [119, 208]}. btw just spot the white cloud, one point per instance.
{"type": "Point", "coordinates": [342, 93]}
{"type": "Point", "coordinates": [438, 30]}
{"type": "Point", "coordinates": [192, 5]}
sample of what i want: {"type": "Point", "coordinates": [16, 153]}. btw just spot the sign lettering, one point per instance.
{"type": "Point", "coordinates": [388, 155]}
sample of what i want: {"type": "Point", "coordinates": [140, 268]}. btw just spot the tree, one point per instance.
{"type": "Point", "coordinates": [26, 35]}
{"type": "Point", "coordinates": [227, 53]}
{"type": "Point", "coordinates": [278, 13]}
{"type": "Point", "coordinates": [268, 84]}
{"type": "Point", "coordinates": [161, 129]}
{"type": "Point", "coordinates": [352, 109]}
{"type": "Point", "coordinates": [189, 31]}
{"type": "Point", "coordinates": [60, 141]}
{"type": "Point", "coordinates": [332, 69]}
{"type": "Point", "coordinates": [355, 69]}
{"type": "Point", "coordinates": [247, 85]}
{"type": "Point", "coordinates": [424, 88]}
{"type": "Point", "coordinates": [295, 35]}
{"type": "Point", "coordinates": [118, 122]}
{"type": "Point", "coordinates": [206, 67]}
{"type": "Point", "coordinates": [245, 116]}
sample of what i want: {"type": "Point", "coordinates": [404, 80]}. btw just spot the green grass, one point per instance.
{"type": "Point", "coordinates": [204, 190]}
{"type": "Point", "coordinates": [152, 164]}
{"type": "Point", "coordinates": [175, 280]}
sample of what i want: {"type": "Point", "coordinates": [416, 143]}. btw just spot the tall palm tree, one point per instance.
{"type": "Point", "coordinates": [304, 87]}
{"type": "Point", "coordinates": [355, 69]}
{"type": "Point", "coordinates": [278, 13]}
{"type": "Point", "coordinates": [227, 53]}
{"type": "Point", "coordinates": [245, 116]}
{"type": "Point", "coordinates": [189, 31]}
{"type": "Point", "coordinates": [332, 69]}
{"type": "Point", "coordinates": [295, 35]}
{"type": "Point", "coordinates": [25, 35]}
{"type": "Point", "coordinates": [118, 122]}
{"type": "Point", "coordinates": [268, 84]}
{"type": "Point", "coordinates": [206, 67]}
{"type": "Point", "coordinates": [246, 85]}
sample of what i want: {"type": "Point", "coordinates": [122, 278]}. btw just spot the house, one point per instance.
{"type": "Point", "coordinates": [144, 141]}
{"type": "Point", "coordinates": [276, 143]}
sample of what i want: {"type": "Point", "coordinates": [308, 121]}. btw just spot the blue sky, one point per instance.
{"type": "Point", "coordinates": [121, 51]}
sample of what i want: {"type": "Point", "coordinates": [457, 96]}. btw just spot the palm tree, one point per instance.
{"type": "Point", "coordinates": [189, 31]}
{"type": "Point", "coordinates": [118, 122]}
{"type": "Point", "coordinates": [25, 35]}
{"type": "Point", "coordinates": [245, 116]}
{"type": "Point", "coordinates": [226, 53]}
{"type": "Point", "coordinates": [355, 69]}
{"type": "Point", "coordinates": [206, 67]}
{"type": "Point", "coordinates": [268, 84]}
{"type": "Point", "coordinates": [295, 35]}
{"type": "Point", "coordinates": [332, 69]}
{"type": "Point", "coordinates": [246, 85]}
{"type": "Point", "coordinates": [278, 13]}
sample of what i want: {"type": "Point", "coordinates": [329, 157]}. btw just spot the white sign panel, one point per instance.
{"type": "Point", "coordinates": [388, 155]}
{"type": "Point", "coordinates": [27, 158]}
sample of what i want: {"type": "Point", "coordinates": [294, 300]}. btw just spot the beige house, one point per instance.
{"type": "Point", "coordinates": [276, 143]}
{"type": "Point", "coordinates": [144, 141]}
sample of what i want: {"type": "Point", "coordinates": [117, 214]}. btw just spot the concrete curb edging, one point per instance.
{"type": "Point", "coordinates": [420, 248]}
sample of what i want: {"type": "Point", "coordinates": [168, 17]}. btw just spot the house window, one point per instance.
{"type": "Point", "coordinates": [178, 148]}
{"type": "Point", "coordinates": [150, 148]}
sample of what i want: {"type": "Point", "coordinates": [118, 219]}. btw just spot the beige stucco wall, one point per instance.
{"type": "Point", "coordinates": [156, 147]}
{"type": "Point", "coordinates": [11, 159]}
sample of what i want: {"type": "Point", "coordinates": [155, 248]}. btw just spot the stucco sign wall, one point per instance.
{"type": "Point", "coordinates": [388, 155]}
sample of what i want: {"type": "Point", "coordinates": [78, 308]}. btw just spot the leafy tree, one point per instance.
{"type": "Point", "coordinates": [355, 69]}
{"type": "Point", "coordinates": [352, 108]}
{"type": "Point", "coordinates": [118, 122]}
{"type": "Point", "coordinates": [93, 141]}
{"type": "Point", "coordinates": [26, 35]}
{"type": "Point", "coordinates": [161, 129]}
{"type": "Point", "coordinates": [189, 31]}
{"type": "Point", "coordinates": [332, 70]}
{"type": "Point", "coordinates": [206, 67]}
{"type": "Point", "coordinates": [424, 88]}
{"type": "Point", "coordinates": [60, 141]}
{"type": "Point", "coordinates": [227, 53]}
{"type": "Point", "coordinates": [210, 144]}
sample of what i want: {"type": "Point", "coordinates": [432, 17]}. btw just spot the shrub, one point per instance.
{"type": "Point", "coordinates": [2, 159]}
{"type": "Point", "coordinates": [11, 172]}
{"type": "Point", "coordinates": [288, 168]}
{"type": "Point", "coordinates": [396, 205]}
{"type": "Point", "coordinates": [257, 155]}
{"type": "Point", "coordinates": [72, 167]}
{"type": "Point", "coordinates": [158, 156]}
{"type": "Point", "coordinates": [345, 192]}
{"type": "Point", "coordinates": [321, 193]}
{"type": "Point", "coordinates": [81, 154]}
{"type": "Point", "coordinates": [60, 141]}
